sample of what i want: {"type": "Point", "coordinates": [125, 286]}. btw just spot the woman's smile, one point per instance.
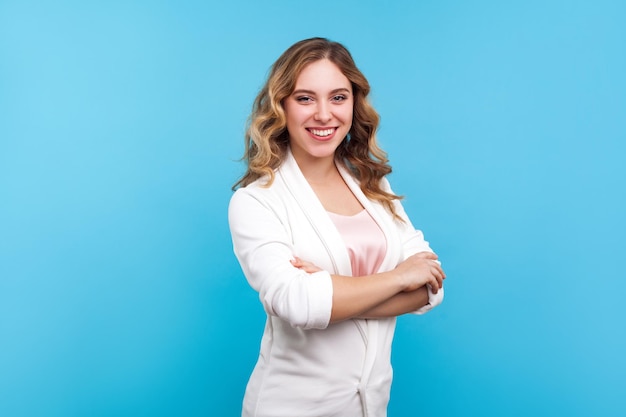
{"type": "Point", "coordinates": [322, 133]}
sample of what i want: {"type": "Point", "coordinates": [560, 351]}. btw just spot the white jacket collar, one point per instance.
{"type": "Point", "coordinates": [298, 186]}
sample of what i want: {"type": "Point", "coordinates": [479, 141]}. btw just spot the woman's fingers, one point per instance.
{"type": "Point", "coordinates": [307, 267]}
{"type": "Point", "coordinates": [426, 255]}
{"type": "Point", "coordinates": [438, 273]}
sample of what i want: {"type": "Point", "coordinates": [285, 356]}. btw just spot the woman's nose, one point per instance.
{"type": "Point", "coordinates": [322, 112]}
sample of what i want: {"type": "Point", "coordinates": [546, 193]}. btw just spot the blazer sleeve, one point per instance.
{"type": "Point", "coordinates": [413, 242]}
{"type": "Point", "coordinates": [262, 245]}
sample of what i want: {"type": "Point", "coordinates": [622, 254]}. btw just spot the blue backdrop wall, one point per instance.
{"type": "Point", "coordinates": [120, 128]}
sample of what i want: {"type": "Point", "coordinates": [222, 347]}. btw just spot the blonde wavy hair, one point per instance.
{"type": "Point", "coordinates": [267, 139]}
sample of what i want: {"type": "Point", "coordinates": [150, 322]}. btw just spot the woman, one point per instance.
{"type": "Point", "coordinates": [323, 239]}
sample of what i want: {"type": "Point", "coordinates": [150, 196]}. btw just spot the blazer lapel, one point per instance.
{"type": "Point", "coordinates": [315, 213]}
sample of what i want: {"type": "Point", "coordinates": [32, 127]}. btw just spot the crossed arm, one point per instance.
{"type": "Point", "coordinates": [399, 291]}
{"type": "Point", "coordinates": [308, 299]}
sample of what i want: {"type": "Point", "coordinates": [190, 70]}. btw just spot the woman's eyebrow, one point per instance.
{"type": "Point", "coordinates": [301, 91]}
{"type": "Point", "coordinates": [310, 92]}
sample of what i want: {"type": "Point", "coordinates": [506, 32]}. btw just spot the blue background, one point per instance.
{"type": "Point", "coordinates": [121, 124]}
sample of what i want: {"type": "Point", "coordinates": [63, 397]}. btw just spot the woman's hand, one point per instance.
{"type": "Point", "coordinates": [415, 272]}
{"type": "Point", "coordinates": [307, 267]}
{"type": "Point", "coordinates": [419, 270]}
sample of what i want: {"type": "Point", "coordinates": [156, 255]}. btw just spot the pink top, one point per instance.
{"type": "Point", "coordinates": [364, 240]}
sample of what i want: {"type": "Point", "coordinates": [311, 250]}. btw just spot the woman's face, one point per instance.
{"type": "Point", "coordinates": [319, 111]}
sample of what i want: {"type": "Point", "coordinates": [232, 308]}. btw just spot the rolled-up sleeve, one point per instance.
{"type": "Point", "coordinates": [262, 245]}
{"type": "Point", "coordinates": [433, 301]}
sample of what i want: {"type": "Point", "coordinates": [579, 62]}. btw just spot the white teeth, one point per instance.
{"type": "Point", "coordinates": [325, 132]}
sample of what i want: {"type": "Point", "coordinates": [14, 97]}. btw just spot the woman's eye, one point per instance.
{"type": "Point", "coordinates": [339, 98]}
{"type": "Point", "coordinates": [304, 99]}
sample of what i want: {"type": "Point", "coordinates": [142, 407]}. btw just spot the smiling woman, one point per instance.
{"type": "Point", "coordinates": [324, 240]}
{"type": "Point", "coordinates": [319, 113]}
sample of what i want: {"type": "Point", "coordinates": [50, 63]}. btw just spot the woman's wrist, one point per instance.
{"type": "Point", "coordinates": [397, 279]}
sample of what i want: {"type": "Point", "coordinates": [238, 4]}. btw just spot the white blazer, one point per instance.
{"type": "Point", "coordinates": [307, 367]}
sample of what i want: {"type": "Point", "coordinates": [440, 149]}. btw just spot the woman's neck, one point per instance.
{"type": "Point", "coordinates": [317, 170]}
